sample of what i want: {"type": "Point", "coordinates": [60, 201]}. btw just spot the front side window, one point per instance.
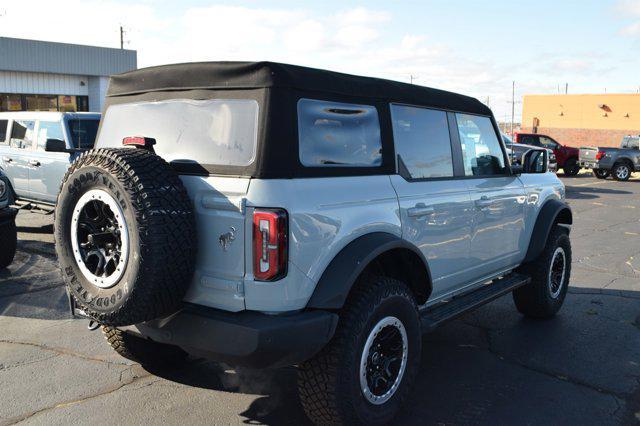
{"type": "Point", "coordinates": [335, 134]}
{"type": "Point", "coordinates": [221, 132]}
{"type": "Point", "coordinates": [548, 142]}
{"type": "Point", "coordinates": [83, 132]}
{"type": "Point", "coordinates": [22, 134]}
{"type": "Point", "coordinates": [49, 130]}
{"type": "Point", "coordinates": [422, 142]}
{"type": "Point", "coordinates": [481, 150]}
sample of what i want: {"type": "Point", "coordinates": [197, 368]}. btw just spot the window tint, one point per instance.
{"type": "Point", "coordinates": [22, 134]}
{"type": "Point", "coordinates": [220, 132]}
{"type": "Point", "coordinates": [49, 130]}
{"type": "Point", "coordinates": [3, 130]}
{"type": "Point", "coordinates": [528, 140]}
{"type": "Point", "coordinates": [481, 149]}
{"type": "Point", "coordinates": [548, 142]}
{"type": "Point", "coordinates": [422, 142]}
{"type": "Point", "coordinates": [83, 132]}
{"type": "Point", "coordinates": [334, 134]}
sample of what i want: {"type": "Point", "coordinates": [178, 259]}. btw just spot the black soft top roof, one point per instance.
{"type": "Point", "coordinates": [255, 75]}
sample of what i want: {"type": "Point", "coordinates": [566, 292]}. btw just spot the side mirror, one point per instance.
{"type": "Point", "coordinates": [55, 145]}
{"type": "Point", "coordinates": [535, 161]}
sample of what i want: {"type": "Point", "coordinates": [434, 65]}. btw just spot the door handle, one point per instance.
{"type": "Point", "coordinates": [483, 203]}
{"type": "Point", "coordinates": [34, 163]}
{"type": "Point", "coordinates": [420, 210]}
{"type": "Point", "coordinates": [7, 159]}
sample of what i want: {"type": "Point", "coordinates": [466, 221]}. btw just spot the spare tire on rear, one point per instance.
{"type": "Point", "coordinates": [125, 236]}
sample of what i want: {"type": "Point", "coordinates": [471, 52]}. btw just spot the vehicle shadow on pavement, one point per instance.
{"type": "Point", "coordinates": [590, 193]}
{"type": "Point", "coordinates": [44, 229]}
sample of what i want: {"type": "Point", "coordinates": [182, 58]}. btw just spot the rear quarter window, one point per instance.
{"type": "Point", "coordinates": [335, 134]}
{"type": "Point", "coordinates": [220, 132]}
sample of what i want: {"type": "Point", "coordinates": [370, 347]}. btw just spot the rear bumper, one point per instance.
{"type": "Point", "coordinates": [246, 338]}
{"type": "Point", "coordinates": [7, 215]}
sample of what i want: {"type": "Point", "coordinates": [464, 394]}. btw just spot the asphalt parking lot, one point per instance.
{"type": "Point", "coordinates": [489, 367]}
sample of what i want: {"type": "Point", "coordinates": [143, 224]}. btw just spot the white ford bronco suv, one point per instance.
{"type": "Point", "coordinates": [267, 215]}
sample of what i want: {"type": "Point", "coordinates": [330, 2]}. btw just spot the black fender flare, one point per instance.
{"type": "Point", "coordinates": [552, 212]}
{"type": "Point", "coordinates": [342, 272]}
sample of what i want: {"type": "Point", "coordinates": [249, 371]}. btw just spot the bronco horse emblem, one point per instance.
{"type": "Point", "coordinates": [227, 238]}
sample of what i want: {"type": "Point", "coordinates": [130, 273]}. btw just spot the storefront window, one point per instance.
{"type": "Point", "coordinates": [42, 103]}
{"type": "Point", "coordinates": [29, 102]}
{"type": "Point", "coordinates": [67, 103]}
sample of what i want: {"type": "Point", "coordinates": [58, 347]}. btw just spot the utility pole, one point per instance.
{"type": "Point", "coordinates": [513, 104]}
{"type": "Point", "coordinates": [411, 77]}
{"type": "Point", "coordinates": [121, 37]}
{"type": "Point", "coordinates": [566, 88]}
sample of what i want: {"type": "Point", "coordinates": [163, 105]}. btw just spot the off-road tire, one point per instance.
{"type": "Point", "coordinates": [143, 351]}
{"type": "Point", "coordinates": [601, 173]}
{"type": "Point", "coordinates": [571, 167]}
{"type": "Point", "coordinates": [625, 177]}
{"type": "Point", "coordinates": [8, 243]}
{"type": "Point", "coordinates": [329, 384]}
{"type": "Point", "coordinates": [162, 238]}
{"type": "Point", "coordinates": [535, 299]}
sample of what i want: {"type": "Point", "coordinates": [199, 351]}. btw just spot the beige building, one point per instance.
{"type": "Point", "coordinates": [579, 120]}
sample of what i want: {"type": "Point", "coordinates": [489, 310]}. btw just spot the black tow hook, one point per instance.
{"type": "Point", "coordinates": [93, 325]}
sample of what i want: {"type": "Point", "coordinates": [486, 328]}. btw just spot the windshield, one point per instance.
{"type": "Point", "coordinates": [83, 132]}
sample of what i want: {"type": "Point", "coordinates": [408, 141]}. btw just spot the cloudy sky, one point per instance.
{"type": "Point", "coordinates": [467, 46]}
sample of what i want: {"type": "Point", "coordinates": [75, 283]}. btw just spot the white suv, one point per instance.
{"type": "Point", "coordinates": [265, 214]}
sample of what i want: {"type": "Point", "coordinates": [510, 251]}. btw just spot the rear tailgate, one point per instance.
{"type": "Point", "coordinates": [587, 157]}
{"type": "Point", "coordinates": [219, 205]}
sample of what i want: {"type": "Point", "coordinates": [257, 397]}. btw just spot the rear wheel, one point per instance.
{"type": "Point", "coordinates": [143, 351]}
{"type": "Point", "coordinates": [550, 274]}
{"type": "Point", "coordinates": [601, 173]}
{"type": "Point", "coordinates": [8, 243]}
{"type": "Point", "coordinates": [621, 171]}
{"type": "Point", "coordinates": [571, 167]}
{"type": "Point", "coordinates": [365, 373]}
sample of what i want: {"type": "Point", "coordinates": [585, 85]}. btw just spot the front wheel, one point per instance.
{"type": "Point", "coordinates": [621, 172]}
{"type": "Point", "coordinates": [571, 167]}
{"type": "Point", "coordinates": [601, 173]}
{"type": "Point", "coordinates": [550, 273]}
{"type": "Point", "coordinates": [366, 372]}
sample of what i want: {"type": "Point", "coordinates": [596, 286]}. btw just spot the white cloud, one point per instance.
{"type": "Point", "coordinates": [630, 9]}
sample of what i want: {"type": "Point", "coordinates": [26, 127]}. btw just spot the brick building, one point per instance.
{"type": "Point", "coordinates": [580, 120]}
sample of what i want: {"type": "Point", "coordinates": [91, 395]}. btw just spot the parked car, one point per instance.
{"type": "Point", "coordinates": [8, 233]}
{"type": "Point", "coordinates": [281, 215]}
{"type": "Point", "coordinates": [618, 162]}
{"type": "Point", "coordinates": [517, 150]}
{"type": "Point", "coordinates": [566, 156]}
{"type": "Point", "coordinates": [36, 149]}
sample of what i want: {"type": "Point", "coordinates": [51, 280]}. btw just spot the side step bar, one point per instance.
{"type": "Point", "coordinates": [446, 311]}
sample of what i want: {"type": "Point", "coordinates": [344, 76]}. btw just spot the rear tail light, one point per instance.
{"type": "Point", "coordinates": [600, 154]}
{"type": "Point", "coordinates": [270, 241]}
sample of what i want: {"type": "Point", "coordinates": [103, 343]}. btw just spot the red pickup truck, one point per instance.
{"type": "Point", "coordinates": [566, 156]}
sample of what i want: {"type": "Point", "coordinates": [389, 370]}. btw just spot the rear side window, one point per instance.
{"type": "Point", "coordinates": [528, 140]}
{"type": "Point", "coordinates": [3, 131]}
{"type": "Point", "coordinates": [334, 134]}
{"type": "Point", "coordinates": [481, 150]}
{"type": "Point", "coordinates": [422, 142]}
{"type": "Point", "coordinates": [83, 132]}
{"type": "Point", "coordinates": [220, 132]}
{"type": "Point", "coordinates": [22, 134]}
